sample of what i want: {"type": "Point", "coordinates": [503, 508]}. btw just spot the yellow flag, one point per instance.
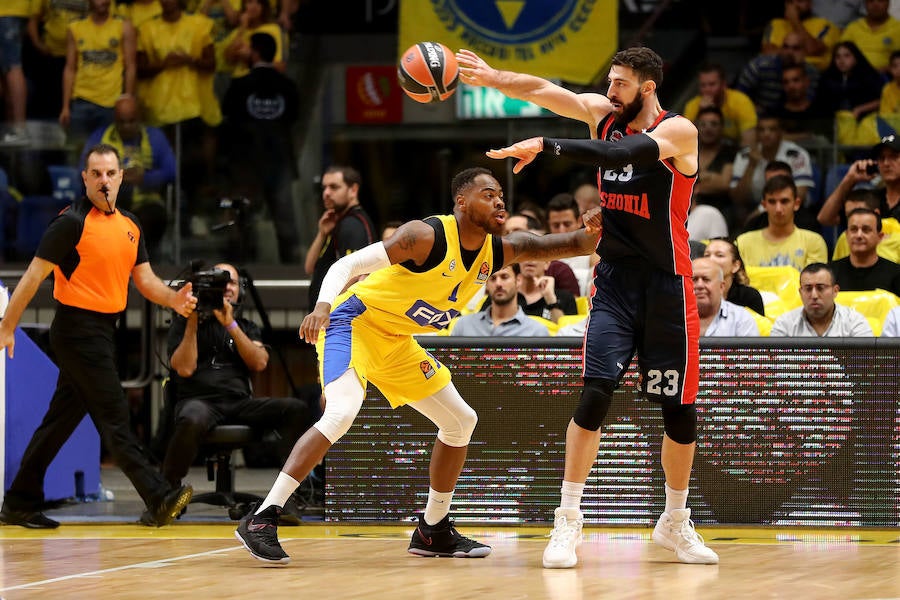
{"type": "Point", "coordinates": [561, 39]}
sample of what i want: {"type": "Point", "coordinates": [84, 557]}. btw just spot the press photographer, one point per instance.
{"type": "Point", "coordinates": [211, 359]}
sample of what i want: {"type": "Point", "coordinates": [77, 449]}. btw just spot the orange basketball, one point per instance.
{"type": "Point", "coordinates": [428, 72]}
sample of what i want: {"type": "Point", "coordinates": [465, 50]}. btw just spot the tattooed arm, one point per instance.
{"type": "Point", "coordinates": [524, 245]}
{"type": "Point", "coordinates": [412, 241]}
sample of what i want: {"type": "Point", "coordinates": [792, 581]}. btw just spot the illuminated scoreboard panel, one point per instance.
{"type": "Point", "coordinates": [787, 436]}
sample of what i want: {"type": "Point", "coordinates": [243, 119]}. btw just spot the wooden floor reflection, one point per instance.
{"type": "Point", "coordinates": [334, 562]}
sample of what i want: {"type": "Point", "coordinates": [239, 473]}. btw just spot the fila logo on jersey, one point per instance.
{"type": "Point", "coordinates": [484, 272]}
{"type": "Point", "coordinates": [427, 370]}
{"type": "Point", "coordinates": [426, 315]}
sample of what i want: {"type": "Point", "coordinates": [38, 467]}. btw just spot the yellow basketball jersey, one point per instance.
{"type": "Point", "coordinates": [101, 67]}
{"type": "Point", "coordinates": [404, 302]}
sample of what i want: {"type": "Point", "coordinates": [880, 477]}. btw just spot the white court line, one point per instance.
{"type": "Point", "coordinates": [144, 565]}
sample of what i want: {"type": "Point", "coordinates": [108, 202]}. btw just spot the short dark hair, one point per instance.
{"type": "Point", "coordinates": [264, 44]}
{"type": "Point", "coordinates": [710, 110]}
{"type": "Point", "coordinates": [778, 165]}
{"type": "Point", "coordinates": [563, 201]}
{"type": "Point", "coordinates": [102, 149]}
{"type": "Point", "coordinates": [866, 211]}
{"type": "Point", "coordinates": [778, 183]}
{"type": "Point", "coordinates": [815, 267]}
{"type": "Point", "coordinates": [712, 67]}
{"type": "Point", "coordinates": [865, 195]}
{"type": "Point", "coordinates": [642, 60]}
{"type": "Point", "coordinates": [465, 178]}
{"type": "Point", "coordinates": [351, 176]}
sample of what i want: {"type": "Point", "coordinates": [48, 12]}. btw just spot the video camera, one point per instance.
{"type": "Point", "coordinates": [209, 287]}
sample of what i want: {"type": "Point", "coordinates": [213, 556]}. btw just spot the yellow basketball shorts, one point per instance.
{"type": "Point", "coordinates": [396, 364]}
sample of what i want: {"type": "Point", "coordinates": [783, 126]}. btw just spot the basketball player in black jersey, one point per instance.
{"type": "Point", "coordinates": [644, 301]}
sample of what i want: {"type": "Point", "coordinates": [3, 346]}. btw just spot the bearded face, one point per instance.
{"type": "Point", "coordinates": [630, 111]}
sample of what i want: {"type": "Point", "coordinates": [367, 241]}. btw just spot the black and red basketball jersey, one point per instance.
{"type": "Point", "coordinates": [644, 211]}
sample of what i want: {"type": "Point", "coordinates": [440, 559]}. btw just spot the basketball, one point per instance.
{"type": "Point", "coordinates": [428, 72]}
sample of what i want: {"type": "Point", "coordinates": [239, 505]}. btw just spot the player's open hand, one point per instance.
{"type": "Point", "coordinates": [525, 151]}
{"type": "Point", "coordinates": [474, 71]}
{"type": "Point", "coordinates": [314, 322]}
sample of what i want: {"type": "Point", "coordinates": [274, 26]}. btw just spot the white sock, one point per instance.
{"type": "Point", "coordinates": [438, 506]}
{"type": "Point", "coordinates": [571, 494]}
{"type": "Point", "coordinates": [675, 499]}
{"type": "Point", "coordinates": [281, 490]}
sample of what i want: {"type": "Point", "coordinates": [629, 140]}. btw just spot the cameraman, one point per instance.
{"type": "Point", "coordinates": [211, 356]}
{"type": "Point", "coordinates": [886, 162]}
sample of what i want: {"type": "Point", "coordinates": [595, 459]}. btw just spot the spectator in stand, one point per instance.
{"type": "Point", "coordinates": [100, 67]}
{"type": "Point", "coordinates": [718, 317]}
{"type": "Point", "coordinates": [749, 173]}
{"type": "Point", "coordinates": [148, 163]}
{"type": "Point", "coordinates": [261, 109]}
{"type": "Point", "coordinates": [139, 11]}
{"type": "Point", "coordinates": [737, 289]}
{"type": "Point", "coordinates": [820, 316]}
{"type": "Point", "coordinates": [760, 78]}
{"type": "Point", "coordinates": [534, 211]}
{"type": "Point", "coordinates": [48, 31]}
{"type": "Point", "coordinates": [864, 269]}
{"type": "Point", "coordinates": [344, 227]}
{"type": "Point", "coordinates": [889, 107]}
{"type": "Point", "coordinates": [803, 218]}
{"type": "Point", "coordinates": [886, 163]}
{"type": "Point", "coordinates": [256, 17]}
{"type": "Point", "coordinates": [716, 161]}
{"type": "Point", "coordinates": [539, 294]}
{"type": "Point", "coordinates": [851, 89]}
{"type": "Point", "coordinates": [561, 272]}
{"type": "Point", "coordinates": [587, 195]}
{"type": "Point", "coordinates": [738, 112]}
{"type": "Point", "coordinates": [13, 18]}
{"type": "Point", "coordinates": [801, 116]}
{"type": "Point", "coordinates": [877, 34]}
{"type": "Point", "coordinates": [176, 61]}
{"type": "Point", "coordinates": [504, 315]}
{"type": "Point", "coordinates": [705, 222]}
{"type": "Point", "coordinates": [819, 35]}
{"type": "Point", "coordinates": [889, 246]}
{"type": "Point", "coordinates": [563, 216]}
{"type": "Point", "coordinates": [839, 12]}
{"type": "Point", "coordinates": [781, 242]}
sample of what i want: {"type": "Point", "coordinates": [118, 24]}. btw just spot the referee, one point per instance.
{"type": "Point", "coordinates": [92, 249]}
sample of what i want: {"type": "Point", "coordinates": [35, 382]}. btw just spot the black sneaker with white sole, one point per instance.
{"type": "Point", "coordinates": [442, 539]}
{"type": "Point", "coordinates": [259, 535]}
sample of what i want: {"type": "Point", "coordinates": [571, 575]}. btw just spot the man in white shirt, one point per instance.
{"type": "Point", "coordinates": [504, 316]}
{"type": "Point", "coordinates": [718, 317]}
{"type": "Point", "coordinates": [820, 316]}
{"type": "Point", "coordinates": [748, 173]}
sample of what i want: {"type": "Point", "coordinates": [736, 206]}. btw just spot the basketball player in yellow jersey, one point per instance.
{"type": "Point", "coordinates": [419, 279]}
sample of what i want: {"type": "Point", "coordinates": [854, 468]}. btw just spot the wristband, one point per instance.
{"type": "Point", "coordinates": [554, 305]}
{"type": "Point", "coordinates": [231, 326]}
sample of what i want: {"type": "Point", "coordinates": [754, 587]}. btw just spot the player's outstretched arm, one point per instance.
{"type": "Point", "coordinates": [588, 108]}
{"type": "Point", "coordinates": [524, 245]}
{"type": "Point", "coordinates": [412, 241]}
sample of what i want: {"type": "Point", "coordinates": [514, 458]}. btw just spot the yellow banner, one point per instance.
{"type": "Point", "coordinates": [556, 39]}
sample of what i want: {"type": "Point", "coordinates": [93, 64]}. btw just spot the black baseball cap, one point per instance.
{"type": "Point", "coordinates": [891, 142]}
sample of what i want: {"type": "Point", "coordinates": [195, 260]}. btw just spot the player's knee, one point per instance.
{"type": "Point", "coordinates": [459, 433]}
{"type": "Point", "coordinates": [337, 419]}
{"type": "Point", "coordinates": [680, 423]}
{"type": "Point", "coordinates": [596, 396]}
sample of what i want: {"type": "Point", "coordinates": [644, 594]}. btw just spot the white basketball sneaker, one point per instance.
{"type": "Point", "coordinates": [675, 531]}
{"type": "Point", "coordinates": [565, 537]}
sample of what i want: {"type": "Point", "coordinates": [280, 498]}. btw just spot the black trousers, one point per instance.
{"type": "Point", "coordinates": [195, 417]}
{"type": "Point", "coordinates": [88, 384]}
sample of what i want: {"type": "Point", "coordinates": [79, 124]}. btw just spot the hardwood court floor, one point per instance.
{"type": "Point", "coordinates": [331, 562]}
